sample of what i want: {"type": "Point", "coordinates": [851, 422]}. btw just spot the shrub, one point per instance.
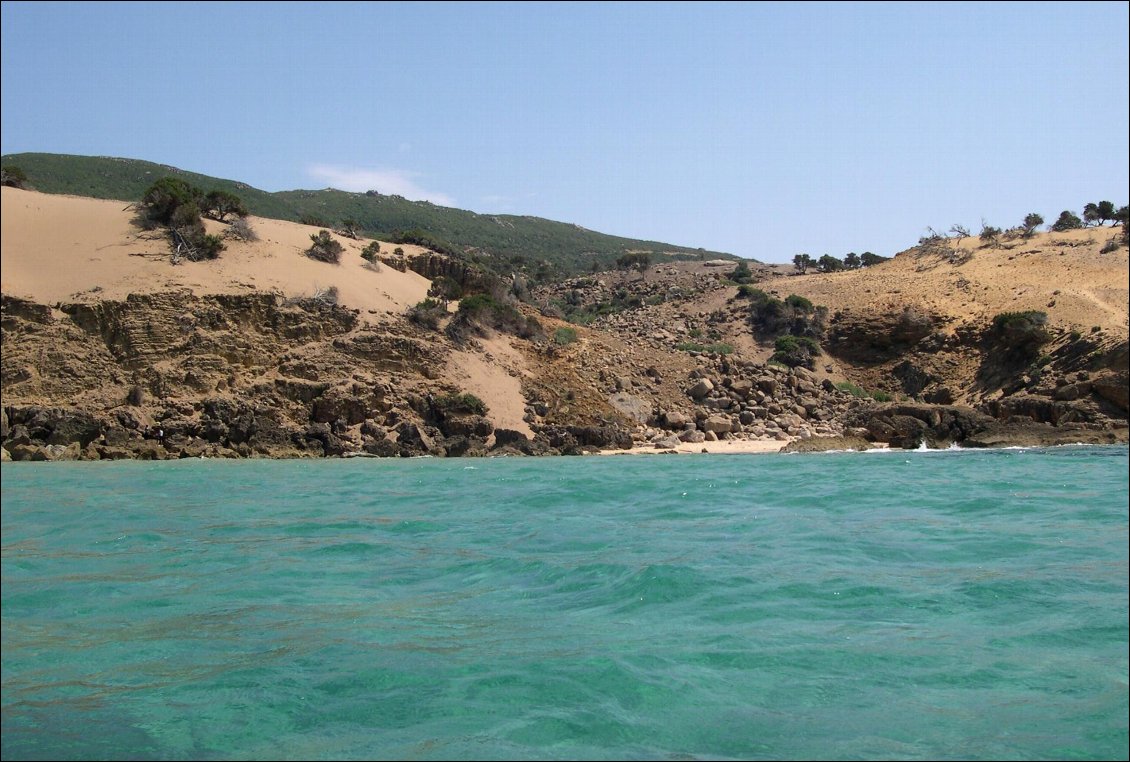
{"type": "Point", "coordinates": [741, 274]}
{"type": "Point", "coordinates": [1022, 332]}
{"type": "Point", "coordinates": [445, 288]}
{"type": "Point", "coordinates": [240, 228]}
{"type": "Point", "coordinates": [324, 248]}
{"type": "Point", "coordinates": [427, 313]}
{"type": "Point", "coordinates": [796, 350]}
{"type": "Point", "coordinates": [326, 296]}
{"type": "Point", "coordinates": [799, 303]}
{"type": "Point", "coordinates": [482, 311]}
{"type": "Point", "coordinates": [13, 177]}
{"type": "Point", "coordinates": [371, 253]}
{"type": "Point", "coordinates": [467, 404]}
{"type": "Point", "coordinates": [717, 348]}
{"type": "Point", "coordinates": [163, 198]}
{"type": "Point", "coordinates": [314, 221]}
{"type": "Point", "coordinates": [989, 234]}
{"type": "Point", "coordinates": [564, 336]}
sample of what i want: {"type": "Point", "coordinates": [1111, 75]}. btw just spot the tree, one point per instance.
{"type": "Point", "coordinates": [829, 264]}
{"type": "Point", "coordinates": [802, 262]}
{"type": "Point", "coordinates": [639, 260]}
{"type": "Point", "coordinates": [1067, 221]}
{"type": "Point", "coordinates": [1031, 222]}
{"type": "Point", "coordinates": [1123, 216]}
{"type": "Point", "coordinates": [1105, 210]}
{"type": "Point", "coordinates": [219, 204]}
{"type": "Point", "coordinates": [13, 177]}
{"type": "Point", "coordinates": [852, 261]}
{"type": "Point", "coordinates": [867, 259]}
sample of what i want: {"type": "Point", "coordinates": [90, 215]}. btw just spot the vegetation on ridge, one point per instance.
{"type": "Point", "coordinates": [543, 249]}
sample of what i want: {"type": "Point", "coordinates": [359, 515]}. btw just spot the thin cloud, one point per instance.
{"type": "Point", "coordinates": [391, 182]}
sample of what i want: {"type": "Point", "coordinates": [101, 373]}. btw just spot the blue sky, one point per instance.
{"type": "Point", "coordinates": [764, 130]}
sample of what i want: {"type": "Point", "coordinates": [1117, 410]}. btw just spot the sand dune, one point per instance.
{"type": "Point", "coordinates": [65, 248]}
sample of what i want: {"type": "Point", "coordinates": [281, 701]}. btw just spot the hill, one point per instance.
{"type": "Point", "coordinates": [112, 349]}
{"type": "Point", "coordinates": [543, 249]}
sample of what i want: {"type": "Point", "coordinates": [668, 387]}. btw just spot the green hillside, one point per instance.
{"type": "Point", "coordinates": [543, 248]}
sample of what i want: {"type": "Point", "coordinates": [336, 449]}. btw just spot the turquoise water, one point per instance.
{"type": "Point", "coordinates": [904, 605]}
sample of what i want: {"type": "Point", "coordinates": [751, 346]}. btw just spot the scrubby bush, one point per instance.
{"type": "Point", "coordinates": [445, 288]}
{"type": "Point", "coordinates": [179, 205]}
{"type": "Point", "coordinates": [241, 229]}
{"type": "Point", "coordinates": [741, 274]}
{"type": "Point", "coordinates": [1021, 332]}
{"type": "Point", "coordinates": [717, 348]}
{"type": "Point", "coordinates": [13, 177]}
{"type": "Point", "coordinates": [163, 198]}
{"type": "Point", "coordinates": [455, 404]}
{"type": "Point", "coordinates": [799, 303]}
{"type": "Point", "coordinates": [796, 350]}
{"type": "Point", "coordinates": [990, 236]}
{"type": "Point", "coordinates": [427, 313]}
{"type": "Point", "coordinates": [564, 336]}
{"type": "Point", "coordinates": [324, 248]}
{"type": "Point", "coordinates": [480, 312]}
{"type": "Point", "coordinates": [314, 221]}
{"type": "Point", "coordinates": [371, 254]}
{"type": "Point", "coordinates": [796, 315]}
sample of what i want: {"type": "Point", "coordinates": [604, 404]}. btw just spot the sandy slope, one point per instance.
{"type": "Point", "coordinates": [1062, 274]}
{"type": "Point", "coordinates": [64, 248]}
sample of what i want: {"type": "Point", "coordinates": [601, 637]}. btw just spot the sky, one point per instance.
{"type": "Point", "coordinates": [758, 129]}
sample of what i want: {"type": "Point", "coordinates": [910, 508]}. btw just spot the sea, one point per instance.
{"type": "Point", "coordinates": [918, 605]}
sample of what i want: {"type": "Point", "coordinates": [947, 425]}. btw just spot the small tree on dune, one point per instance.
{"type": "Point", "coordinates": [219, 204]}
{"type": "Point", "coordinates": [829, 264]}
{"type": "Point", "coordinates": [1068, 220]}
{"type": "Point", "coordinates": [1031, 222]}
{"type": "Point", "coordinates": [1097, 214]}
